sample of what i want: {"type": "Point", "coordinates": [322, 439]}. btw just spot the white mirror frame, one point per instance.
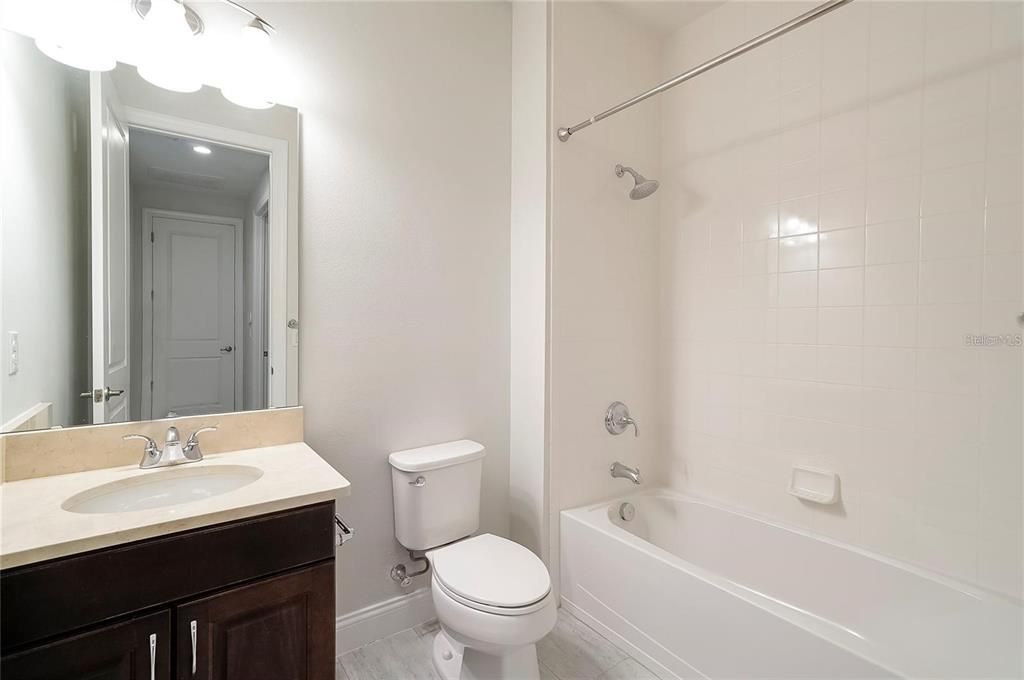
{"type": "Point", "coordinates": [284, 235]}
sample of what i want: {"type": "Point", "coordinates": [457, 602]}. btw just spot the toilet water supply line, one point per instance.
{"type": "Point", "coordinates": [403, 577]}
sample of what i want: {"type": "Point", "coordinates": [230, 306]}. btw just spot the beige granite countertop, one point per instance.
{"type": "Point", "coordinates": [35, 527]}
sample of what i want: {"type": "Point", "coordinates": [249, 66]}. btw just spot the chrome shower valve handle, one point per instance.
{"type": "Point", "coordinates": [617, 419]}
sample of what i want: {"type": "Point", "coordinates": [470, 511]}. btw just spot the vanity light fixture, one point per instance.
{"type": "Point", "coordinates": [174, 67]}
{"type": "Point", "coordinates": [170, 57]}
{"type": "Point", "coordinates": [202, 150]}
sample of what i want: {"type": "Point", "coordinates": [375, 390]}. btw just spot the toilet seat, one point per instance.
{"type": "Point", "coordinates": [491, 574]}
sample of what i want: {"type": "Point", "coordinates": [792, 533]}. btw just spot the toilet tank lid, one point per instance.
{"type": "Point", "coordinates": [436, 456]}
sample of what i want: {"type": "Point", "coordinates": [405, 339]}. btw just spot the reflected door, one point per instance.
{"type": "Point", "coordinates": [110, 248]}
{"type": "Point", "coordinates": [196, 317]}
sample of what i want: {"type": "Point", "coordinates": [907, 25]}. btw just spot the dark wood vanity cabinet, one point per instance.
{"type": "Point", "coordinates": [120, 651]}
{"type": "Point", "coordinates": [269, 630]}
{"type": "Point", "coordinates": [246, 600]}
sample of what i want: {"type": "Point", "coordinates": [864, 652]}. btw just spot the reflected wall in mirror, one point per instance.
{"type": "Point", "coordinates": [149, 247]}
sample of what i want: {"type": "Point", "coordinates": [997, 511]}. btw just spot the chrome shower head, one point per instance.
{"type": "Point", "coordinates": [642, 187]}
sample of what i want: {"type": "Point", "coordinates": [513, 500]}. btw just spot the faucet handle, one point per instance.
{"type": "Point", "coordinates": [617, 419]}
{"type": "Point", "coordinates": [150, 454]}
{"type": "Point", "coordinates": [629, 420]}
{"type": "Point", "coordinates": [193, 439]}
{"type": "Point", "coordinates": [150, 444]}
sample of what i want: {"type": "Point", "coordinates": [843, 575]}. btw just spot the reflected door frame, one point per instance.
{"type": "Point", "coordinates": [283, 247]}
{"type": "Point", "coordinates": [148, 339]}
{"type": "Point", "coordinates": [110, 216]}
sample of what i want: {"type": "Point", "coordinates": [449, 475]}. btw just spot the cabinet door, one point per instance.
{"type": "Point", "coordinates": [139, 649]}
{"type": "Point", "coordinates": [280, 628]}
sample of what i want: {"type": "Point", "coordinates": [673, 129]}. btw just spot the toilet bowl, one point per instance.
{"type": "Point", "coordinates": [493, 596]}
{"type": "Point", "coordinates": [494, 602]}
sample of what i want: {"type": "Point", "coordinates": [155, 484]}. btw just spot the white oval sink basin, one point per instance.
{"type": "Point", "coordinates": [172, 486]}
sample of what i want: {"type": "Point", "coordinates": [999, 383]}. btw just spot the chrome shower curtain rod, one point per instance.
{"type": "Point", "coordinates": [807, 17]}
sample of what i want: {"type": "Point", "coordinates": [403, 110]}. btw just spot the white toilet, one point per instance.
{"type": "Point", "coordinates": [493, 596]}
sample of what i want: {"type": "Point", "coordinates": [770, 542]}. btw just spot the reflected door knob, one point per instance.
{"type": "Point", "coordinates": [101, 395]}
{"type": "Point", "coordinates": [227, 349]}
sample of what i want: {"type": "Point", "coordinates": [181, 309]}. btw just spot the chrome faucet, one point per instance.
{"type": "Point", "coordinates": [620, 471]}
{"type": "Point", "coordinates": [174, 452]}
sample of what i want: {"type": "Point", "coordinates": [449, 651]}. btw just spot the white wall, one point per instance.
{"type": "Point", "coordinates": [404, 306]}
{"type": "Point", "coordinates": [45, 233]}
{"type": "Point", "coordinates": [839, 209]}
{"type": "Point", "coordinates": [530, 137]}
{"type": "Point", "coordinates": [603, 295]}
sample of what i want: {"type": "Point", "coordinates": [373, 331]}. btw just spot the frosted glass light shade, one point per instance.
{"type": "Point", "coordinates": [78, 52]}
{"type": "Point", "coordinates": [170, 63]}
{"type": "Point", "coordinates": [76, 33]}
{"type": "Point", "coordinates": [247, 86]}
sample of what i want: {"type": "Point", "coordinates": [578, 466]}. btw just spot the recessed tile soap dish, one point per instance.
{"type": "Point", "coordinates": [814, 484]}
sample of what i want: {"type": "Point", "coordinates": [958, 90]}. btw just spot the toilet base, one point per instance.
{"type": "Point", "coordinates": [453, 661]}
{"type": "Point", "coordinates": [447, 656]}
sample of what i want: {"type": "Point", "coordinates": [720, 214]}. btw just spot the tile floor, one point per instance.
{"type": "Point", "coordinates": [572, 651]}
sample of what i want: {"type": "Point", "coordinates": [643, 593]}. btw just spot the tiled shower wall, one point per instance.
{"type": "Point", "coordinates": [840, 210]}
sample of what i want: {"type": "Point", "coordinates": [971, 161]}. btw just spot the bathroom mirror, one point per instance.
{"type": "Point", "coordinates": [149, 247]}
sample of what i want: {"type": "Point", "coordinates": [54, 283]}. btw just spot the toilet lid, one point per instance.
{"type": "Point", "coordinates": [491, 570]}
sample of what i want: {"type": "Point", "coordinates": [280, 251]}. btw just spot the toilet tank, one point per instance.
{"type": "Point", "coordinates": [437, 493]}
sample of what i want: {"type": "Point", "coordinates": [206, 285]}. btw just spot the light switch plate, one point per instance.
{"type": "Point", "coordinates": [12, 352]}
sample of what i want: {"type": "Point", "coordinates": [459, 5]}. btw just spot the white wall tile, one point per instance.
{"type": "Point", "coordinates": [841, 287]}
{"type": "Point", "coordinates": [896, 199]}
{"type": "Point", "coordinates": [890, 284]}
{"type": "Point", "coordinates": [798, 216]}
{"type": "Point", "coordinates": [843, 248]}
{"type": "Point", "coordinates": [798, 253]}
{"type": "Point", "coordinates": [841, 209]}
{"type": "Point", "coordinates": [875, 163]}
{"type": "Point", "coordinates": [1004, 175]}
{"type": "Point", "coordinates": [890, 326]}
{"type": "Point", "coordinates": [952, 235]}
{"type": "Point", "coordinates": [951, 280]}
{"type": "Point", "coordinates": [798, 326]}
{"type": "Point", "coordinates": [840, 325]}
{"type": "Point", "coordinates": [798, 289]}
{"type": "Point", "coordinates": [946, 325]}
{"type": "Point", "coordinates": [889, 409]}
{"type": "Point", "coordinates": [797, 362]}
{"type": "Point", "coordinates": [761, 222]}
{"type": "Point", "coordinates": [892, 367]}
{"type": "Point", "coordinates": [956, 189]}
{"type": "Point", "coordinates": [1004, 228]}
{"type": "Point", "coordinates": [838, 364]}
{"type": "Point", "coordinates": [953, 370]}
{"type": "Point", "coordinates": [892, 242]}
{"type": "Point", "coordinates": [1003, 278]}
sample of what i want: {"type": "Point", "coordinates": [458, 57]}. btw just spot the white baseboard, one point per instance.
{"type": "Point", "coordinates": [382, 619]}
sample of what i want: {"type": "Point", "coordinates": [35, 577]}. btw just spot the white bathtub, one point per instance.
{"type": "Point", "coordinates": [697, 589]}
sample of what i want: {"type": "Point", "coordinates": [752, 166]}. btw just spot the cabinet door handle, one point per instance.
{"type": "Point", "coordinates": [192, 629]}
{"type": "Point", "coordinates": [152, 656]}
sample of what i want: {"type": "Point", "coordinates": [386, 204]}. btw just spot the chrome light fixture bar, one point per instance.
{"type": "Point", "coordinates": [778, 31]}
{"type": "Point", "coordinates": [195, 21]}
